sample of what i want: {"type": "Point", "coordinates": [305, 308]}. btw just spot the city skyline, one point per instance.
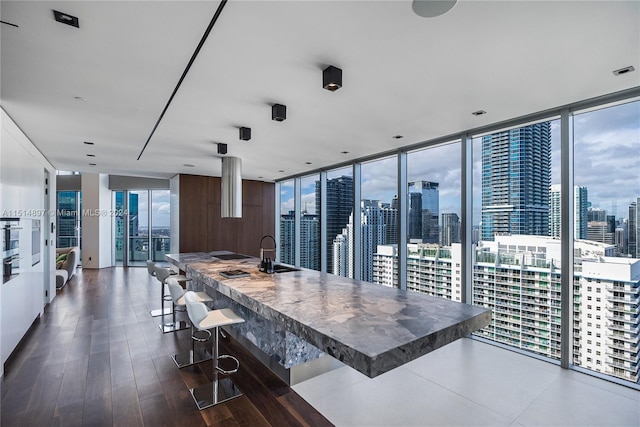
{"type": "Point", "coordinates": [160, 208]}
{"type": "Point", "coordinates": [605, 140]}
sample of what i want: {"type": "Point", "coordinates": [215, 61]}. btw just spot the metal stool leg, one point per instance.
{"type": "Point", "coordinates": [162, 310]}
{"type": "Point", "coordinates": [173, 326]}
{"type": "Point", "coordinates": [194, 355]}
{"type": "Point", "coordinates": [222, 388]}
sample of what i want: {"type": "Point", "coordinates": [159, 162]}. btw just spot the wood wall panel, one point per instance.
{"type": "Point", "coordinates": [252, 193]}
{"type": "Point", "coordinates": [193, 213]}
{"type": "Point", "coordinates": [251, 231]}
{"type": "Point", "coordinates": [202, 229]}
{"type": "Point", "coordinates": [269, 216]}
{"type": "Point", "coordinates": [225, 230]}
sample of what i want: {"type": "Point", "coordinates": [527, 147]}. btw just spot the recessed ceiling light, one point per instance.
{"type": "Point", "coordinates": [80, 98]}
{"type": "Point", "coordinates": [260, 177]}
{"type": "Point", "coordinates": [91, 155]}
{"type": "Point", "coordinates": [92, 164]}
{"type": "Point", "coordinates": [624, 70]}
{"type": "Point", "coordinates": [88, 143]}
{"type": "Point", "coordinates": [189, 165]}
{"type": "Point", "coordinates": [344, 152]}
{"type": "Point", "coordinates": [65, 18]}
{"type": "Point", "coordinates": [281, 171]}
{"type": "Point", "coordinates": [479, 113]}
{"type": "Point", "coordinates": [397, 136]}
{"type": "Point", "coordinates": [307, 163]}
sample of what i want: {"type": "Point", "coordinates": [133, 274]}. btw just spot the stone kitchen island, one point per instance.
{"type": "Point", "coordinates": [296, 317]}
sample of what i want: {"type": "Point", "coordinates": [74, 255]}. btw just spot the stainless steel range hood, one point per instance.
{"type": "Point", "coordinates": [231, 187]}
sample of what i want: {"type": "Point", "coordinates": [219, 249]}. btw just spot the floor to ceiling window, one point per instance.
{"type": "Point", "coordinates": [141, 226]}
{"type": "Point", "coordinates": [520, 262]}
{"type": "Point", "coordinates": [516, 270]}
{"type": "Point", "coordinates": [433, 221]}
{"type": "Point", "coordinates": [138, 227]}
{"type": "Point", "coordinates": [69, 219]}
{"type": "Point", "coordinates": [606, 255]}
{"type": "Point", "coordinates": [309, 224]}
{"type": "Point", "coordinates": [339, 209]}
{"type": "Point", "coordinates": [378, 213]}
{"type": "Point", "coordinates": [287, 240]}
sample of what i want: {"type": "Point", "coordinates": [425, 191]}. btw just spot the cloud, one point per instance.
{"type": "Point", "coordinates": [606, 161]}
{"type": "Point", "coordinates": [161, 208]}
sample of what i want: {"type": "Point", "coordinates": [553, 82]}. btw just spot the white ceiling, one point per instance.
{"type": "Point", "coordinates": [402, 75]}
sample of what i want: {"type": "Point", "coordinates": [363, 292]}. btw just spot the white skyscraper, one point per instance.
{"type": "Point", "coordinates": [580, 206]}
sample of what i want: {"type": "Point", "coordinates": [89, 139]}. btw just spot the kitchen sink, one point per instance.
{"type": "Point", "coordinates": [280, 268]}
{"type": "Point", "coordinates": [230, 256]}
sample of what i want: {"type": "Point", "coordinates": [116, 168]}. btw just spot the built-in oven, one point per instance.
{"type": "Point", "coordinates": [10, 230]}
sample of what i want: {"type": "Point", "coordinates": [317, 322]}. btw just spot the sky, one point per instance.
{"type": "Point", "coordinates": [606, 161]}
{"type": "Point", "coordinates": [159, 208]}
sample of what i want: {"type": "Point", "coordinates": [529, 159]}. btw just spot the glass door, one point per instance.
{"type": "Point", "coordinates": [141, 226]}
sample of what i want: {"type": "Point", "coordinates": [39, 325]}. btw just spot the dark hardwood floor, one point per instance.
{"type": "Point", "coordinates": [96, 357]}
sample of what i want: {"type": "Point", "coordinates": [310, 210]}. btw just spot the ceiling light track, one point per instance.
{"type": "Point", "coordinates": [186, 70]}
{"type": "Point", "coordinates": [9, 23]}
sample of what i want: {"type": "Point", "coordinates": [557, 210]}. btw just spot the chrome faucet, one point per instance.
{"type": "Point", "coordinates": [266, 264]}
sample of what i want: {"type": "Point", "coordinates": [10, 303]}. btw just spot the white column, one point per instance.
{"type": "Point", "coordinates": [96, 221]}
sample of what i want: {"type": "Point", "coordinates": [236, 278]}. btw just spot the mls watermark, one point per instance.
{"type": "Point", "coordinates": [30, 213]}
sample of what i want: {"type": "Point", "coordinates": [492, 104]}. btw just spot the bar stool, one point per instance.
{"type": "Point", "coordinates": [192, 356]}
{"type": "Point", "coordinates": [151, 268]}
{"type": "Point", "coordinates": [220, 389]}
{"type": "Point", "coordinates": [163, 274]}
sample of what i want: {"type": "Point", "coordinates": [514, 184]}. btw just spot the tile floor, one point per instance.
{"type": "Point", "coordinates": [472, 383]}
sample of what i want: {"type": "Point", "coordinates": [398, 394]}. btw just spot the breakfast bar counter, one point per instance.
{"type": "Point", "coordinates": [370, 327]}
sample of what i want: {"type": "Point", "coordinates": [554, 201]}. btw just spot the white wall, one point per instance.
{"type": "Point", "coordinates": [22, 187]}
{"type": "Point", "coordinates": [174, 214]}
{"type": "Point", "coordinates": [96, 221]}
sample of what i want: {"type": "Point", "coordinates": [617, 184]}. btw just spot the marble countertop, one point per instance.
{"type": "Point", "coordinates": [369, 327]}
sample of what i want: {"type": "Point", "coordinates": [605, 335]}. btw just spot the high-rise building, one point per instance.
{"type": "Point", "coordinates": [516, 176]}
{"type": "Point", "coordinates": [598, 231]}
{"type": "Point", "coordinates": [414, 228]}
{"type": "Point", "coordinates": [450, 230]}
{"type": "Point", "coordinates": [136, 251]}
{"type": "Point", "coordinates": [373, 226]}
{"type": "Point", "coordinates": [580, 206]}
{"type": "Point", "coordinates": [518, 278]}
{"type": "Point", "coordinates": [427, 220]}
{"type": "Point", "coordinates": [309, 241]}
{"type": "Point", "coordinates": [67, 217]}
{"type": "Point", "coordinates": [633, 229]}
{"type": "Point", "coordinates": [596, 215]}
{"type": "Point", "coordinates": [339, 206]}
{"type": "Point", "coordinates": [621, 240]}
{"type": "Point", "coordinates": [342, 252]}
{"type": "Point", "coordinates": [287, 238]}
{"type": "Point", "coordinates": [379, 226]}
{"type": "Point", "coordinates": [390, 223]}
